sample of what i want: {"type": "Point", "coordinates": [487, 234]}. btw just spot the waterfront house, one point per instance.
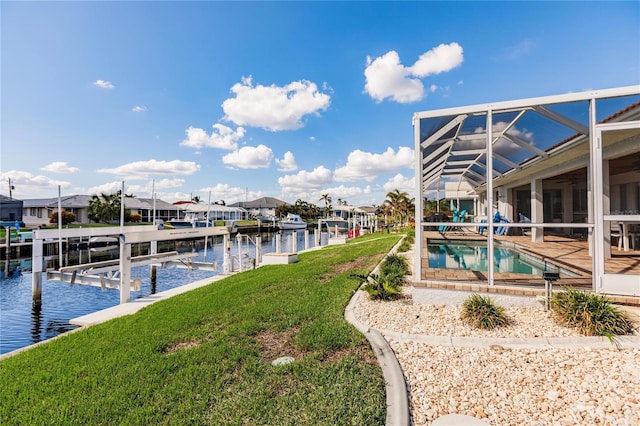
{"type": "Point", "coordinates": [262, 207]}
{"type": "Point", "coordinates": [36, 211]}
{"type": "Point", "coordinates": [10, 210]}
{"type": "Point", "coordinates": [564, 168]}
{"type": "Point", "coordinates": [214, 211]}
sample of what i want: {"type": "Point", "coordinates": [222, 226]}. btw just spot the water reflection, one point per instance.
{"type": "Point", "coordinates": [36, 321]}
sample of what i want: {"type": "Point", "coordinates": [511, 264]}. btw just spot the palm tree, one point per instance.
{"type": "Point", "coordinates": [104, 207]}
{"type": "Point", "coordinates": [399, 205]}
{"type": "Point", "coordinates": [327, 204]}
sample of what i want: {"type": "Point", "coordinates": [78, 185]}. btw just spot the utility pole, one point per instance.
{"type": "Point", "coordinates": [11, 188]}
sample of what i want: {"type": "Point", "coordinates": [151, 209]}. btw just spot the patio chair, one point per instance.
{"type": "Point", "coordinates": [501, 230]}
{"type": "Point", "coordinates": [461, 218]}
{"type": "Point", "coordinates": [481, 229]}
{"type": "Point", "coordinates": [443, 229]}
{"type": "Point", "coordinates": [458, 217]}
{"type": "Point", "coordinates": [634, 235]}
{"type": "Point", "coordinates": [496, 219]}
{"type": "Point", "coordinates": [616, 232]}
{"type": "Point", "coordinates": [523, 219]}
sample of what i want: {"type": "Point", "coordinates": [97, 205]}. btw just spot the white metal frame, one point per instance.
{"type": "Point", "coordinates": [427, 172]}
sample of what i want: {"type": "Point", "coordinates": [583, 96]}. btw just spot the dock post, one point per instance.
{"type": "Point", "coordinates": [36, 272]}
{"type": "Point", "coordinates": [294, 242]}
{"type": "Point", "coordinates": [226, 258]}
{"type": "Point", "coordinates": [278, 237]}
{"type": "Point", "coordinates": [7, 252]}
{"type": "Point", "coordinates": [306, 239]}
{"type": "Point", "coordinates": [239, 241]}
{"type": "Point", "coordinates": [258, 249]}
{"type": "Point", "coordinates": [125, 270]}
{"type": "Point", "coordinates": [153, 279]}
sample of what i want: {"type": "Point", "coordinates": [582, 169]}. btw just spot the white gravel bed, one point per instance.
{"type": "Point", "coordinates": [444, 320]}
{"type": "Point", "coordinates": [507, 386]}
{"type": "Point", "coordinates": [522, 387]}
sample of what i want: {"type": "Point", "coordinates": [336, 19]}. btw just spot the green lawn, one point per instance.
{"type": "Point", "coordinates": [204, 357]}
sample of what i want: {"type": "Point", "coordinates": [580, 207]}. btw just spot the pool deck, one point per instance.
{"type": "Point", "coordinates": [568, 253]}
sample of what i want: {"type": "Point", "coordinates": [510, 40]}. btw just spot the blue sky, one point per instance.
{"type": "Point", "coordinates": [281, 99]}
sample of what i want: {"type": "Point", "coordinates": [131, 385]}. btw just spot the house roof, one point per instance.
{"type": "Point", "coordinates": [213, 208]}
{"type": "Point", "coordinates": [6, 200]}
{"type": "Point", "coordinates": [264, 202]}
{"type": "Point", "coordinates": [82, 201]}
{"type": "Point", "coordinates": [68, 201]}
{"type": "Point", "coordinates": [523, 133]}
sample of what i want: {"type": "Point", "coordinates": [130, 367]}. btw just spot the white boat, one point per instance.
{"type": "Point", "coordinates": [189, 221]}
{"type": "Point", "coordinates": [103, 241]}
{"type": "Point", "coordinates": [292, 221]}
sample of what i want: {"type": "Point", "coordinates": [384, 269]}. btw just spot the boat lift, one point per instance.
{"type": "Point", "coordinates": [117, 273]}
{"type": "Point", "coordinates": [106, 274]}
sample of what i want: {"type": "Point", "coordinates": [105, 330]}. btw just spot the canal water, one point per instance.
{"type": "Point", "coordinates": [21, 324]}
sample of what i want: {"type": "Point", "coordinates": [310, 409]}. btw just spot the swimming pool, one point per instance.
{"type": "Point", "coordinates": [472, 256]}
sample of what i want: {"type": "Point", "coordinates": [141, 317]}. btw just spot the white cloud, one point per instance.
{"type": "Point", "coordinates": [438, 60]}
{"type": "Point", "coordinates": [143, 169]}
{"type": "Point", "coordinates": [222, 137]}
{"type": "Point", "coordinates": [250, 157]}
{"type": "Point", "coordinates": [104, 84]}
{"type": "Point", "coordinates": [168, 183]}
{"type": "Point", "coordinates": [288, 163]}
{"type": "Point", "coordinates": [366, 166]}
{"type": "Point", "coordinates": [59, 167]}
{"type": "Point", "coordinates": [139, 108]}
{"type": "Point", "coordinates": [272, 107]}
{"type": "Point", "coordinates": [304, 180]}
{"type": "Point", "coordinates": [387, 77]}
{"type": "Point", "coordinates": [27, 185]}
{"type": "Point", "coordinates": [344, 192]}
{"type": "Point", "coordinates": [145, 190]}
{"type": "Point", "coordinates": [230, 194]}
{"type": "Point", "coordinates": [521, 50]}
{"type": "Point", "coordinates": [108, 188]}
{"type": "Point", "coordinates": [401, 183]}
{"type": "Point", "coordinates": [172, 197]}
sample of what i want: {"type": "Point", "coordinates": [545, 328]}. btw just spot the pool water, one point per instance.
{"type": "Point", "coordinates": [473, 256]}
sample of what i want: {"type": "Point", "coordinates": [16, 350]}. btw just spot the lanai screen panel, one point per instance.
{"type": "Point", "coordinates": [454, 146]}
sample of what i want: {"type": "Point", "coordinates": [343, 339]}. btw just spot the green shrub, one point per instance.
{"type": "Point", "coordinates": [405, 246]}
{"type": "Point", "coordinates": [394, 262]}
{"type": "Point", "coordinates": [379, 287]}
{"type": "Point", "coordinates": [591, 314]}
{"type": "Point", "coordinates": [395, 268]}
{"type": "Point", "coordinates": [410, 236]}
{"type": "Point", "coordinates": [482, 313]}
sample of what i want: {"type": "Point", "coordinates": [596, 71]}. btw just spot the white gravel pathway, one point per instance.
{"type": "Point", "coordinates": [502, 384]}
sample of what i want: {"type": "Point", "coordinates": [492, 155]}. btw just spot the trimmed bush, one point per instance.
{"type": "Point", "coordinates": [591, 314]}
{"type": "Point", "coordinates": [379, 287]}
{"type": "Point", "coordinates": [482, 312]}
{"type": "Point", "coordinates": [394, 262]}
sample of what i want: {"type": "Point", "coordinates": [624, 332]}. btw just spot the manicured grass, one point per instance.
{"type": "Point", "coordinates": [204, 357]}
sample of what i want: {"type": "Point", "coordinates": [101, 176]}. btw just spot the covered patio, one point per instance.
{"type": "Point", "coordinates": [552, 180]}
